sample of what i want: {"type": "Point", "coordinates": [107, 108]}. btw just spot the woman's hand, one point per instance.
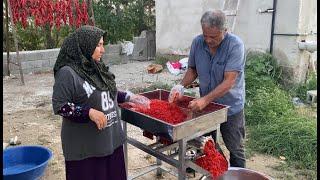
{"type": "Point", "coordinates": [137, 100]}
{"type": "Point", "coordinates": [98, 117]}
{"type": "Point", "coordinates": [140, 100]}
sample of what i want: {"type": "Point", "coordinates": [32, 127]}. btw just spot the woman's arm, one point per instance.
{"type": "Point", "coordinates": [122, 97]}
{"type": "Point", "coordinates": [75, 113]}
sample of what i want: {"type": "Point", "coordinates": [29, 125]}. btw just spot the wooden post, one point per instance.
{"type": "Point", "coordinates": [73, 8]}
{"type": "Point", "coordinates": [15, 41]}
{"type": "Point", "coordinates": [90, 8]}
{"type": "Point", "coordinates": [7, 39]}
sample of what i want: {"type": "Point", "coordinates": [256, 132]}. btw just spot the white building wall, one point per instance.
{"type": "Point", "coordinates": [295, 17]}
{"type": "Point", "coordinates": [252, 27]}
{"type": "Point", "coordinates": [178, 22]}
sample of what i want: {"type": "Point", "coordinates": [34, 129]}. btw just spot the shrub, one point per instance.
{"type": "Point", "coordinates": [301, 89]}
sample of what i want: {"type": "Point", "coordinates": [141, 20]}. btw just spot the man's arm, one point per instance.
{"type": "Point", "coordinates": [227, 83]}
{"type": "Point", "coordinates": [189, 77]}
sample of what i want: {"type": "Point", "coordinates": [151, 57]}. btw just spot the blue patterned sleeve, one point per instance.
{"type": "Point", "coordinates": [121, 98]}
{"type": "Point", "coordinates": [75, 113]}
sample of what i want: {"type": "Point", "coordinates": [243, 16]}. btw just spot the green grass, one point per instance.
{"type": "Point", "coordinates": [275, 126]}
{"type": "Point", "coordinates": [294, 138]}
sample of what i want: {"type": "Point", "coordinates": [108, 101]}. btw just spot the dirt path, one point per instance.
{"type": "Point", "coordinates": [28, 115]}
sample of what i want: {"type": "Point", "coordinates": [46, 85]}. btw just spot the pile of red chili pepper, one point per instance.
{"type": "Point", "coordinates": [164, 111]}
{"type": "Point", "coordinates": [212, 161]}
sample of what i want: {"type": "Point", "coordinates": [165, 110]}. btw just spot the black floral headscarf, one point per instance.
{"type": "Point", "coordinates": [76, 52]}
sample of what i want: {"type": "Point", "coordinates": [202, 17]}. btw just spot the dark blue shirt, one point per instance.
{"type": "Point", "coordinates": [230, 56]}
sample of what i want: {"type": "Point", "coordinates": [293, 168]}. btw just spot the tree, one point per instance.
{"type": "Point", "coordinates": [123, 19]}
{"type": "Point", "coordinates": [49, 15]}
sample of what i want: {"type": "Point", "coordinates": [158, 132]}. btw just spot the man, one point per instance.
{"type": "Point", "coordinates": [217, 58]}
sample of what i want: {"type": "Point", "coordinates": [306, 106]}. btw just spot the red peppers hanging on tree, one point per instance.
{"type": "Point", "coordinates": [57, 13]}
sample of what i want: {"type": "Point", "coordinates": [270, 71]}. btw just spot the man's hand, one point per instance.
{"type": "Point", "coordinates": [176, 93]}
{"type": "Point", "coordinates": [98, 117]}
{"type": "Point", "coordinates": [198, 104]}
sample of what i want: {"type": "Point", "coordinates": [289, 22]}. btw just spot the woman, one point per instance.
{"type": "Point", "coordinates": [85, 95]}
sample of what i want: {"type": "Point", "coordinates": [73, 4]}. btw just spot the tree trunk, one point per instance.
{"type": "Point", "coordinates": [74, 14]}
{"type": "Point", "coordinates": [14, 32]}
{"type": "Point", "coordinates": [7, 39]}
{"type": "Point", "coordinates": [90, 12]}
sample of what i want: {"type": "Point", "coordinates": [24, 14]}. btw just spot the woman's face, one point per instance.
{"type": "Point", "coordinates": [98, 52]}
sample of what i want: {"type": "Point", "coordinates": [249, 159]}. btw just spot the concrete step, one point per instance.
{"type": "Point", "coordinates": [312, 96]}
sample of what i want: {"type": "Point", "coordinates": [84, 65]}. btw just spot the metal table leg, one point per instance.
{"type": "Point", "coordinates": [159, 170]}
{"type": "Point", "coordinates": [125, 146]}
{"type": "Point", "coordinates": [182, 165]}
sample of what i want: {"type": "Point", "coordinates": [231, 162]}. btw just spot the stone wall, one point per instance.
{"type": "Point", "coordinates": [44, 60]}
{"type": "Point", "coordinates": [31, 61]}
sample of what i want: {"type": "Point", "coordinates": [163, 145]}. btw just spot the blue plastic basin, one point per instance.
{"type": "Point", "coordinates": [25, 162]}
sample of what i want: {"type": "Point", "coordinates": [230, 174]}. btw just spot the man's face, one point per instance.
{"type": "Point", "coordinates": [212, 36]}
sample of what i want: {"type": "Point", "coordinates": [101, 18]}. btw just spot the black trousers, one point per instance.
{"type": "Point", "coordinates": [111, 167]}
{"type": "Point", "coordinates": [233, 134]}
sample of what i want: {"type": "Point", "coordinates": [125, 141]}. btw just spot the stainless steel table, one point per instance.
{"type": "Point", "coordinates": [182, 134]}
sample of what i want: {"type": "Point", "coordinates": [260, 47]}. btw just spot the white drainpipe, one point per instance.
{"type": "Point", "coordinates": [308, 46]}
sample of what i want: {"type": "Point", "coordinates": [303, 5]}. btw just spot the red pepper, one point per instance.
{"type": "Point", "coordinates": [212, 161]}
{"type": "Point", "coordinates": [170, 113]}
{"type": "Point", "coordinates": [164, 111]}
